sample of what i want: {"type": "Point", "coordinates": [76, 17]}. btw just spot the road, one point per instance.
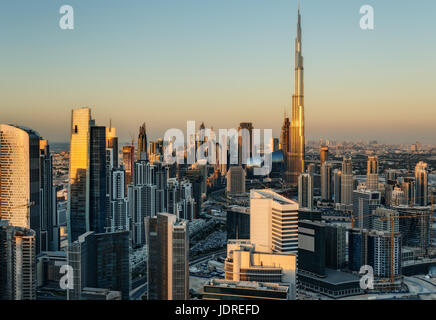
{"type": "Point", "coordinates": [209, 256]}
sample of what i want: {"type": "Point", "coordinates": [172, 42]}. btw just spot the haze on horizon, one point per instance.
{"type": "Point", "coordinates": [164, 62]}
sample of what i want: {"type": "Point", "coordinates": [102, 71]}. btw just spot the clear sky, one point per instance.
{"type": "Point", "coordinates": [221, 62]}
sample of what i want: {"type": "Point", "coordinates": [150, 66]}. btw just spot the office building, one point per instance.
{"type": "Point", "coordinates": [235, 180]}
{"type": "Point", "coordinates": [238, 223]}
{"type": "Point", "coordinates": [364, 202]}
{"type": "Point", "coordinates": [305, 191]}
{"type": "Point", "coordinates": [337, 186]}
{"type": "Point", "coordinates": [311, 247]}
{"type": "Point", "coordinates": [128, 163]}
{"type": "Point", "coordinates": [347, 183]}
{"type": "Point", "coordinates": [357, 249]}
{"type": "Point", "coordinates": [335, 246]}
{"type": "Point", "coordinates": [245, 143]}
{"type": "Point", "coordinates": [48, 268]}
{"type": "Point", "coordinates": [168, 257]}
{"type": "Point", "coordinates": [50, 239]}
{"type": "Point", "coordinates": [119, 203]}
{"type": "Point", "coordinates": [372, 173]}
{"type": "Point", "coordinates": [17, 263]}
{"type": "Point", "coordinates": [100, 261]}
{"type": "Point", "coordinates": [20, 176]}
{"type": "Point", "coordinates": [217, 289]}
{"type": "Point", "coordinates": [421, 187]}
{"type": "Point", "coordinates": [78, 208]}
{"type": "Point", "coordinates": [273, 222]}
{"type": "Point", "coordinates": [97, 180]}
{"type": "Point", "coordinates": [112, 145]}
{"type": "Point", "coordinates": [327, 181]}
{"type": "Point", "coordinates": [142, 143]}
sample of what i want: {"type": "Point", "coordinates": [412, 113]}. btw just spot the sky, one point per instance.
{"type": "Point", "coordinates": [223, 62]}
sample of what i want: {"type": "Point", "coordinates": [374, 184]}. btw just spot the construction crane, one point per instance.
{"type": "Point", "coordinates": [27, 205]}
{"type": "Point", "coordinates": [391, 218]}
{"type": "Point", "coordinates": [353, 219]}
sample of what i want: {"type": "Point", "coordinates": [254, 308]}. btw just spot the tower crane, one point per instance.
{"type": "Point", "coordinates": [26, 205]}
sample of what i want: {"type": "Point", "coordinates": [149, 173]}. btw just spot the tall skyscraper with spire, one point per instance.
{"type": "Point", "coordinates": [142, 143]}
{"type": "Point", "coordinates": [297, 141]}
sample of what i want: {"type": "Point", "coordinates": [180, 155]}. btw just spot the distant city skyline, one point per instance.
{"type": "Point", "coordinates": [221, 63]}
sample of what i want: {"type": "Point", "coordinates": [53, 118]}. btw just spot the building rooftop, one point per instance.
{"type": "Point", "coordinates": [248, 285]}
{"type": "Point", "coordinates": [270, 194]}
{"type": "Point", "coordinates": [335, 277]}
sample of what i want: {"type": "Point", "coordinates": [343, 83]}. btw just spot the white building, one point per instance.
{"type": "Point", "coordinates": [273, 222]}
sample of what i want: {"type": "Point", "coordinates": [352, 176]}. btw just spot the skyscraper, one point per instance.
{"type": "Point", "coordinates": [128, 163]}
{"type": "Point", "coordinates": [119, 204]}
{"type": "Point", "coordinates": [78, 210]}
{"type": "Point", "coordinates": [326, 181]}
{"type": "Point", "coordinates": [285, 138]}
{"type": "Point", "coordinates": [372, 173]}
{"type": "Point", "coordinates": [235, 180]}
{"type": "Point", "coordinates": [20, 178]}
{"type": "Point", "coordinates": [305, 191]}
{"type": "Point", "coordinates": [364, 202]}
{"type": "Point", "coordinates": [337, 185]}
{"type": "Point", "coordinates": [142, 143]}
{"type": "Point", "coordinates": [273, 222]}
{"type": "Point", "coordinates": [97, 179]}
{"type": "Point", "coordinates": [245, 143]}
{"type": "Point", "coordinates": [297, 134]}
{"type": "Point", "coordinates": [347, 183]}
{"type": "Point", "coordinates": [324, 154]}
{"type": "Point", "coordinates": [49, 221]}
{"type": "Point", "coordinates": [168, 257]}
{"type": "Point", "coordinates": [100, 261]}
{"type": "Point", "coordinates": [17, 263]}
{"type": "Point", "coordinates": [421, 188]}
{"type": "Point", "coordinates": [112, 144]}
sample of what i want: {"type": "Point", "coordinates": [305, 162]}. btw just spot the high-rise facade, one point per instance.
{"type": "Point", "coordinates": [347, 182]}
{"type": "Point", "coordinates": [142, 143]}
{"type": "Point", "coordinates": [327, 181]}
{"type": "Point", "coordinates": [168, 257]}
{"type": "Point", "coordinates": [273, 222]}
{"type": "Point", "coordinates": [112, 144]}
{"type": "Point", "coordinates": [297, 134]}
{"type": "Point", "coordinates": [128, 163]}
{"type": "Point", "coordinates": [323, 155]}
{"type": "Point", "coordinates": [365, 202]}
{"type": "Point", "coordinates": [421, 187]}
{"type": "Point", "coordinates": [119, 204]}
{"type": "Point", "coordinates": [235, 180]}
{"type": "Point", "coordinates": [337, 185]}
{"type": "Point", "coordinates": [20, 184]}
{"type": "Point", "coordinates": [78, 209]}
{"type": "Point", "coordinates": [305, 191]}
{"type": "Point", "coordinates": [17, 263]}
{"type": "Point", "coordinates": [372, 173]}
{"type": "Point", "coordinates": [97, 179]}
{"type": "Point", "coordinates": [100, 261]}
{"type": "Point", "coordinates": [50, 240]}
